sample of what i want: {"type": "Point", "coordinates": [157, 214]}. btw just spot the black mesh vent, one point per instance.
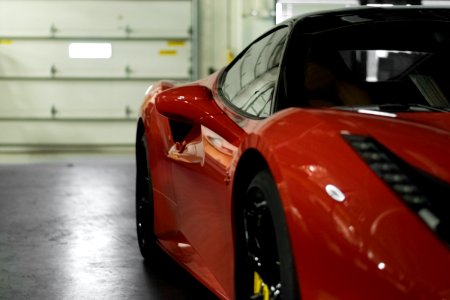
{"type": "Point", "coordinates": [426, 195]}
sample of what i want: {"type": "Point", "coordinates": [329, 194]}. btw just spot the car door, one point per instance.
{"type": "Point", "coordinates": [201, 162]}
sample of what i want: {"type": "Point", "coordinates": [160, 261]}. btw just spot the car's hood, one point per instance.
{"type": "Point", "coordinates": [421, 139]}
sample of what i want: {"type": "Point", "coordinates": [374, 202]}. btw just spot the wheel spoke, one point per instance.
{"type": "Point", "coordinates": [261, 247]}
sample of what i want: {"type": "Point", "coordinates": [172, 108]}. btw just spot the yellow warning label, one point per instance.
{"type": "Point", "coordinates": [167, 52]}
{"type": "Point", "coordinates": [175, 43]}
{"type": "Point", "coordinates": [5, 42]}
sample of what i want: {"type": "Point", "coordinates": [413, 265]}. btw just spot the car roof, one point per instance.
{"type": "Point", "coordinates": [327, 20]}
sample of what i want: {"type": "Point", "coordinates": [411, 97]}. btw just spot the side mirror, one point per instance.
{"type": "Point", "coordinates": [186, 103]}
{"type": "Point", "coordinates": [194, 104]}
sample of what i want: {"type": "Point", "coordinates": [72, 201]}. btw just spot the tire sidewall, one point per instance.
{"type": "Point", "coordinates": [146, 215]}
{"type": "Point", "coordinates": [266, 184]}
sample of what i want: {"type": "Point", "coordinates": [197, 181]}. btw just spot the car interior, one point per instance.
{"type": "Point", "coordinates": [378, 73]}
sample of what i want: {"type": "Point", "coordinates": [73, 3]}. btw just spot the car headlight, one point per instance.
{"type": "Point", "coordinates": [422, 193]}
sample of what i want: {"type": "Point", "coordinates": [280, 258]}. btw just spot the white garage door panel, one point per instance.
{"type": "Point", "coordinates": [63, 133]}
{"type": "Point", "coordinates": [48, 98]}
{"type": "Point", "coordinates": [112, 18]}
{"type": "Point", "coordinates": [150, 59]}
{"type": "Point", "coordinates": [72, 99]}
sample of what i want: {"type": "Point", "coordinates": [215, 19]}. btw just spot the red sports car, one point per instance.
{"type": "Point", "coordinates": [315, 166]}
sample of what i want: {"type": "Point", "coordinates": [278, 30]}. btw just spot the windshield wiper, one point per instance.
{"type": "Point", "coordinates": [399, 107]}
{"type": "Point", "coordinates": [396, 107]}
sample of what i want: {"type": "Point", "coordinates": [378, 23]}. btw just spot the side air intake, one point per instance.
{"type": "Point", "coordinates": [424, 194]}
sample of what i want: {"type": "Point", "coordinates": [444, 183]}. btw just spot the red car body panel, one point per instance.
{"type": "Point", "coordinates": [361, 244]}
{"type": "Point", "coordinates": [370, 244]}
{"type": "Point", "coordinates": [202, 241]}
{"type": "Point", "coordinates": [366, 245]}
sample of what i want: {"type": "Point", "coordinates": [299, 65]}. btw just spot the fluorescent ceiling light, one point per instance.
{"type": "Point", "coordinates": [90, 50]}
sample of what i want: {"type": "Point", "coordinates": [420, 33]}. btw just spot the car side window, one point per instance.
{"type": "Point", "coordinates": [250, 82]}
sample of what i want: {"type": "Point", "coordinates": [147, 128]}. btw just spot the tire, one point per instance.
{"type": "Point", "coordinates": [264, 266]}
{"type": "Point", "coordinates": [144, 202]}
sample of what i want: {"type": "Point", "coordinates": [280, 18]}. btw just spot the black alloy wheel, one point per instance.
{"type": "Point", "coordinates": [264, 262]}
{"type": "Point", "coordinates": [144, 202]}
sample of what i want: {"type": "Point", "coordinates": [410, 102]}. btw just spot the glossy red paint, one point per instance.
{"type": "Point", "coordinates": [202, 241]}
{"type": "Point", "coordinates": [370, 244]}
{"type": "Point", "coordinates": [366, 245]}
{"type": "Point", "coordinates": [191, 103]}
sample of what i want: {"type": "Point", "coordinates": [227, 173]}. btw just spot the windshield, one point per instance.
{"type": "Point", "coordinates": [402, 65]}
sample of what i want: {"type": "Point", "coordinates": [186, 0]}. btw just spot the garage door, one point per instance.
{"type": "Point", "coordinates": [73, 73]}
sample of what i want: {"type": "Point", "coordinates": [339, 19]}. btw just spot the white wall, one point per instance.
{"type": "Point", "coordinates": [226, 27]}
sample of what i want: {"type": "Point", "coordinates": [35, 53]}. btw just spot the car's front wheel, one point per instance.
{"type": "Point", "coordinates": [264, 262]}
{"type": "Point", "coordinates": [144, 202]}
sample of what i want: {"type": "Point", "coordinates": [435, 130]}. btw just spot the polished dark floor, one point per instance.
{"type": "Point", "coordinates": [67, 231]}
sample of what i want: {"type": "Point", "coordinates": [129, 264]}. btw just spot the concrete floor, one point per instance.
{"type": "Point", "coordinates": [67, 231]}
